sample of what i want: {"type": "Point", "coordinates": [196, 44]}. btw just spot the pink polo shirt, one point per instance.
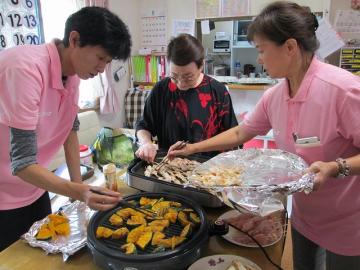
{"type": "Point", "coordinates": [327, 105]}
{"type": "Point", "coordinates": [33, 98]}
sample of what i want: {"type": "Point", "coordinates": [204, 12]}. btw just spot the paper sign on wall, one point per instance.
{"type": "Point", "coordinates": [183, 26]}
{"type": "Point", "coordinates": [205, 27]}
{"type": "Point", "coordinates": [329, 39]}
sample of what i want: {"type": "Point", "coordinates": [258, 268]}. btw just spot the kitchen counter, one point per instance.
{"type": "Point", "coordinates": [22, 256]}
{"type": "Point", "coordinates": [247, 87]}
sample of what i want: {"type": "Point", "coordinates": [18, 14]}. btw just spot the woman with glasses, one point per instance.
{"type": "Point", "coordinates": [314, 113]}
{"type": "Point", "coordinates": [187, 106]}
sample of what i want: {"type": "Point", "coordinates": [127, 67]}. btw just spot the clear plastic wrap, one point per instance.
{"type": "Point", "coordinates": [250, 179]}
{"type": "Point", "coordinates": [79, 215]}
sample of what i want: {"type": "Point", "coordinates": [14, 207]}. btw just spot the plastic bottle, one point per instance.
{"type": "Point", "coordinates": [85, 155]}
{"type": "Point", "coordinates": [237, 69]}
{"type": "Point", "coordinates": [109, 171]}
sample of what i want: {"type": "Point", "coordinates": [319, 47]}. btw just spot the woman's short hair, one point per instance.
{"type": "Point", "coordinates": [282, 20]}
{"type": "Point", "coordinates": [184, 49]}
{"type": "Point", "coordinates": [100, 27]}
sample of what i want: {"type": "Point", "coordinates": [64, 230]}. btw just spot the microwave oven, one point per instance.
{"type": "Point", "coordinates": [221, 45]}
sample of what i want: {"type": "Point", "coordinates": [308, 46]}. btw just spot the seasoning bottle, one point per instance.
{"type": "Point", "coordinates": [85, 155]}
{"type": "Point", "coordinates": [109, 171]}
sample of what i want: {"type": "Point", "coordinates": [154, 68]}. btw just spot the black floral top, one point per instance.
{"type": "Point", "coordinates": [192, 115]}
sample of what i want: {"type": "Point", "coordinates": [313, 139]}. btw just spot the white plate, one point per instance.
{"type": "Point", "coordinates": [232, 235]}
{"type": "Point", "coordinates": [221, 262]}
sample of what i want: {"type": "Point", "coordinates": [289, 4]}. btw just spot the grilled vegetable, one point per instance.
{"type": "Point", "coordinates": [186, 232]}
{"type": "Point", "coordinates": [129, 248]}
{"type": "Point", "coordinates": [157, 237]}
{"type": "Point", "coordinates": [62, 229]}
{"type": "Point", "coordinates": [44, 233]}
{"type": "Point", "coordinates": [186, 210]}
{"type": "Point", "coordinates": [194, 218]}
{"type": "Point", "coordinates": [136, 221]}
{"type": "Point", "coordinates": [120, 233]}
{"type": "Point", "coordinates": [134, 234]}
{"type": "Point", "coordinates": [171, 216]}
{"type": "Point", "coordinates": [147, 201]}
{"type": "Point", "coordinates": [58, 218]}
{"type": "Point", "coordinates": [103, 232]}
{"type": "Point", "coordinates": [144, 240]}
{"type": "Point", "coordinates": [116, 220]}
{"type": "Point", "coordinates": [176, 240]}
{"type": "Point", "coordinates": [183, 219]}
{"type": "Point", "coordinates": [58, 224]}
{"type": "Point", "coordinates": [175, 204]}
{"type": "Point", "coordinates": [161, 207]}
{"type": "Point", "coordinates": [160, 222]}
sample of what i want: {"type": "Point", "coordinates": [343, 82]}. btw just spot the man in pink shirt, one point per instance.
{"type": "Point", "coordinates": [317, 101]}
{"type": "Point", "coordinates": [38, 114]}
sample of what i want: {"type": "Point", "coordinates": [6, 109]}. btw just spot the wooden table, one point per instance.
{"type": "Point", "coordinates": [21, 256]}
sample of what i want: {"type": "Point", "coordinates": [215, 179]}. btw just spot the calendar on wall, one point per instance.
{"type": "Point", "coordinates": [153, 28]}
{"type": "Point", "coordinates": [20, 23]}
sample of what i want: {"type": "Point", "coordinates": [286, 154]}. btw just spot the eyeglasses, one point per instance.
{"type": "Point", "coordinates": [186, 79]}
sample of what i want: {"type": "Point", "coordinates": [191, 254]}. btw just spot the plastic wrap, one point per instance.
{"type": "Point", "coordinates": [79, 215]}
{"type": "Point", "coordinates": [253, 180]}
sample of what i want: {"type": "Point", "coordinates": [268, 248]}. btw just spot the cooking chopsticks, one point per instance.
{"type": "Point", "coordinates": [166, 159]}
{"type": "Point", "coordinates": [146, 212]}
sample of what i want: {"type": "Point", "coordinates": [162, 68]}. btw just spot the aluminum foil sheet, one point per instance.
{"type": "Point", "coordinates": [267, 176]}
{"type": "Point", "coordinates": [79, 215]}
{"type": "Point", "coordinates": [265, 170]}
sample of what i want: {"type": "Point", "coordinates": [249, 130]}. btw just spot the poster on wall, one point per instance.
{"type": "Point", "coordinates": [230, 8]}
{"type": "Point", "coordinates": [183, 27]}
{"type": "Point", "coordinates": [153, 30]}
{"type": "Point", "coordinates": [20, 23]}
{"type": "Point", "coordinates": [207, 8]}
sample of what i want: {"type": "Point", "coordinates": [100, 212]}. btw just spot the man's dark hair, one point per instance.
{"type": "Point", "coordinates": [282, 20]}
{"type": "Point", "coordinates": [184, 49]}
{"type": "Point", "coordinates": [99, 27]}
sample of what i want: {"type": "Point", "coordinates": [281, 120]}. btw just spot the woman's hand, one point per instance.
{"type": "Point", "coordinates": [99, 198]}
{"type": "Point", "coordinates": [174, 150]}
{"type": "Point", "coordinates": [323, 171]}
{"type": "Point", "coordinates": [147, 152]}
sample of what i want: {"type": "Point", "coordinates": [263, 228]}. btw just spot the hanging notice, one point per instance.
{"type": "Point", "coordinates": [20, 23]}
{"type": "Point", "coordinates": [230, 8]}
{"type": "Point", "coordinates": [154, 27]}
{"type": "Point", "coordinates": [329, 39]}
{"type": "Point", "coordinates": [347, 21]}
{"type": "Point", "coordinates": [183, 27]}
{"type": "Point", "coordinates": [208, 8]}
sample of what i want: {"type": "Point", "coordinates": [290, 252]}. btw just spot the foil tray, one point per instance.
{"type": "Point", "coordinates": [79, 215]}
{"type": "Point", "coordinates": [264, 170]}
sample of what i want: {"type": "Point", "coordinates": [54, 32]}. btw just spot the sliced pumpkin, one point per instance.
{"type": "Point", "coordinates": [183, 219]}
{"type": "Point", "coordinates": [58, 219]}
{"type": "Point", "coordinates": [134, 234]}
{"type": "Point", "coordinates": [136, 221]}
{"type": "Point", "coordinates": [120, 233]}
{"type": "Point", "coordinates": [171, 216]}
{"type": "Point", "coordinates": [116, 220]}
{"type": "Point", "coordinates": [129, 248]}
{"type": "Point", "coordinates": [62, 229]}
{"type": "Point", "coordinates": [186, 231]}
{"type": "Point", "coordinates": [44, 233]}
{"type": "Point", "coordinates": [103, 232]}
{"type": "Point", "coordinates": [194, 218]}
{"type": "Point", "coordinates": [156, 237]}
{"type": "Point", "coordinates": [160, 222]}
{"type": "Point", "coordinates": [144, 240]}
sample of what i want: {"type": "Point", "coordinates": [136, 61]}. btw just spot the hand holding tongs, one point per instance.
{"type": "Point", "coordinates": [165, 159]}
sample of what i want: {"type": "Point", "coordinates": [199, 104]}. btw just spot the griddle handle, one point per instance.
{"type": "Point", "coordinates": [218, 227]}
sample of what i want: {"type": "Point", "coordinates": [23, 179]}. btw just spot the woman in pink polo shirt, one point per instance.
{"type": "Point", "coordinates": [315, 100]}
{"type": "Point", "coordinates": [38, 115]}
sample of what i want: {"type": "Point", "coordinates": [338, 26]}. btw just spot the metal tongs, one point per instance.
{"type": "Point", "coordinates": [165, 159]}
